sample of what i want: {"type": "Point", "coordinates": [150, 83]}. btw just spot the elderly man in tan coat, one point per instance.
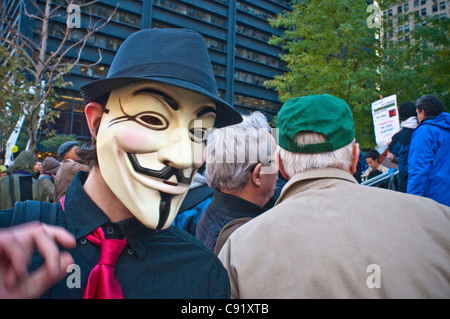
{"type": "Point", "coordinates": [328, 236]}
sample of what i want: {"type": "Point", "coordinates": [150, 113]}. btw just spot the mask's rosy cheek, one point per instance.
{"type": "Point", "coordinates": [137, 140]}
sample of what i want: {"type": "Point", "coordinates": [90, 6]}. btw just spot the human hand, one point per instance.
{"type": "Point", "coordinates": [17, 245]}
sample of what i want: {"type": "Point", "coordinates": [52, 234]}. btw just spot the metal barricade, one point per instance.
{"type": "Point", "coordinates": [389, 176]}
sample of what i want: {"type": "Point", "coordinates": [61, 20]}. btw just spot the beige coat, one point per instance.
{"type": "Point", "coordinates": [329, 237]}
{"type": "Point", "coordinates": [64, 176]}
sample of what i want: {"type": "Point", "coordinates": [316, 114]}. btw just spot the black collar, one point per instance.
{"type": "Point", "coordinates": [233, 206]}
{"type": "Point", "coordinates": [84, 216]}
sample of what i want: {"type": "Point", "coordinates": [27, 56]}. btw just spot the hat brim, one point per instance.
{"type": "Point", "coordinates": [226, 114]}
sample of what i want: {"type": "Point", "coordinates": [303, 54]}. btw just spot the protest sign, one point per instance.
{"type": "Point", "coordinates": [385, 119]}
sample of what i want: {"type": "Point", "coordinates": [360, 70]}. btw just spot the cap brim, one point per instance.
{"type": "Point", "coordinates": [226, 114]}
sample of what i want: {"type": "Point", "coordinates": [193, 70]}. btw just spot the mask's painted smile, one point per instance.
{"type": "Point", "coordinates": [164, 174]}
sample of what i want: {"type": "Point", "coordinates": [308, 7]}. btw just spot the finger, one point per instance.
{"type": "Point", "coordinates": [61, 235]}
{"type": "Point", "coordinates": [46, 238]}
{"type": "Point", "coordinates": [17, 249]}
{"type": "Point", "coordinates": [42, 279]}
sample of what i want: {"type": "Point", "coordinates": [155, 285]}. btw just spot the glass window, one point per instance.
{"type": "Point", "coordinates": [244, 100]}
{"type": "Point", "coordinates": [260, 13]}
{"type": "Point", "coordinates": [259, 57]}
{"type": "Point", "coordinates": [219, 70]}
{"type": "Point", "coordinates": [80, 126]}
{"type": "Point", "coordinates": [251, 32]}
{"type": "Point", "coordinates": [191, 11]}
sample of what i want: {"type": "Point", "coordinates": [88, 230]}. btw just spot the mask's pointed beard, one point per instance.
{"type": "Point", "coordinates": [164, 208]}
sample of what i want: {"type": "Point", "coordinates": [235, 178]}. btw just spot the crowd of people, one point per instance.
{"type": "Point", "coordinates": [32, 179]}
{"type": "Point", "coordinates": [249, 216]}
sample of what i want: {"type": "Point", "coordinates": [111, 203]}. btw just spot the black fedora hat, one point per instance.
{"type": "Point", "coordinates": [177, 57]}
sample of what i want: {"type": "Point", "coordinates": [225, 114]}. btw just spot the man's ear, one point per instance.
{"type": "Point", "coordinates": [256, 175]}
{"type": "Point", "coordinates": [94, 113]}
{"type": "Point", "coordinates": [355, 158]}
{"type": "Point", "coordinates": [280, 165]}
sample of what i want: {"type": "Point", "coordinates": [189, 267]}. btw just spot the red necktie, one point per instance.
{"type": "Point", "coordinates": [102, 283]}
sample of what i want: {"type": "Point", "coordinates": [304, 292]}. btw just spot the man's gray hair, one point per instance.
{"type": "Point", "coordinates": [233, 151]}
{"type": "Point", "coordinates": [294, 163]}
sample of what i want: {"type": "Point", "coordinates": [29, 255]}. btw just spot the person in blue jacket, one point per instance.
{"type": "Point", "coordinates": [429, 166]}
{"type": "Point", "coordinates": [400, 142]}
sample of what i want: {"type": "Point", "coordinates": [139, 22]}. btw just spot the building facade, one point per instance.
{"type": "Point", "coordinates": [402, 16]}
{"type": "Point", "coordinates": [236, 32]}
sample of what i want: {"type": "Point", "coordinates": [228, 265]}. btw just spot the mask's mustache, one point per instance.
{"type": "Point", "coordinates": [165, 173]}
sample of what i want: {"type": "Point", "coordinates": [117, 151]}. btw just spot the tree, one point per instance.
{"type": "Point", "coordinates": [45, 68]}
{"type": "Point", "coordinates": [14, 94]}
{"type": "Point", "coordinates": [416, 62]}
{"type": "Point", "coordinates": [330, 49]}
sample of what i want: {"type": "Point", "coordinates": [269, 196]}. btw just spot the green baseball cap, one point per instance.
{"type": "Point", "coordinates": [324, 114]}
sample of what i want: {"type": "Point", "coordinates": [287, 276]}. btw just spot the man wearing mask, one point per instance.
{"type": "Point", "coordinates": [148, 121]}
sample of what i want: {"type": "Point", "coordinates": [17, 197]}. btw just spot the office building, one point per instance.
{"type": "Point", "coordinates": [236, 32]}
{"type": "Point", "coordinates": [402, 20]}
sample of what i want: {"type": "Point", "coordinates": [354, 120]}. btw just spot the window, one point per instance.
{"type": "Point", "coordinates": [191, 11]}
{"type": "Point", "coordinates": [406, 7]}
{"type": "Point", "coordinates": [218, 69]}
{"type": "Point", "coordinates": [250, 78]}
{"type": "Point", "coordinates": [259, 57]}
{"type": "Point", "coordinates": [253, 102]}
{"type": "Point", "coordinates": [442, 5]}
{"type": "Point", "coordinates": [254, 10]}
{"type": "Point", "coordinates": [105, 11]}
{"type": "Point", "coordinates": [423, 2]}
{"type": "Point", "coordinates": [399, 9]}
{"type": "Point", "coordinates": [423, 12]}
{"type": "Point", "coordinates": [251, 32]}
{"type": "Point", "coordinates": [390, 13]}
{"type": "Point", "coordinates": [416, 3]}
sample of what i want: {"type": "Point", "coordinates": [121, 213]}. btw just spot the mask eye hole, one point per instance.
{"type": "Point", "coordinates": [152, 120]}
{"type": "Point", "coordinates": [198, 135]}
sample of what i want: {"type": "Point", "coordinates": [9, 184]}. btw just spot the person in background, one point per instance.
{"type": "Point", "coordinates": [70, 165]}
{"type": "Point", "coordinates": [429, 153]}
{"type": "Point", "coordinates": [399, 145]}
{"type": "Point", "coordinates": [240, 170]}
{"type": "Point", "coordinates": [50, 167]}
{"type": "Point", "coordinates": [21, 184]}
{"type": "Point", "coordinates": [3, 171]}
{"type": "Point", "coordinates": [330, 237]}
{"type": "Point", "coordinates": [37, 168]}
{"type": "Point", "coordinates": [372, 158]}
{"type": "Point", "coordinates": [194, 204]}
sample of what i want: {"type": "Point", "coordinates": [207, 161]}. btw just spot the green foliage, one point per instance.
{"type": "Point", "coordinates": [419, 63]}
{"type": "Point", "coordinates": [330, 49]}
{"type": "Point", "coordinates": [15, 93]}
{"type": "Point", "coordinates": [53, 143]}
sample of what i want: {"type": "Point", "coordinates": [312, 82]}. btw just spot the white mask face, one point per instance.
{"type": "Point", "coordinates": [149, 146]}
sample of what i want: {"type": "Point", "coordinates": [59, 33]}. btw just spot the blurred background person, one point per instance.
{"type": "Point", "coordinates": [50, 167]}
{"type": "Point", "coordinates": [70, 165]}
{"type": "Point", "coordinates": [21, 185]}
